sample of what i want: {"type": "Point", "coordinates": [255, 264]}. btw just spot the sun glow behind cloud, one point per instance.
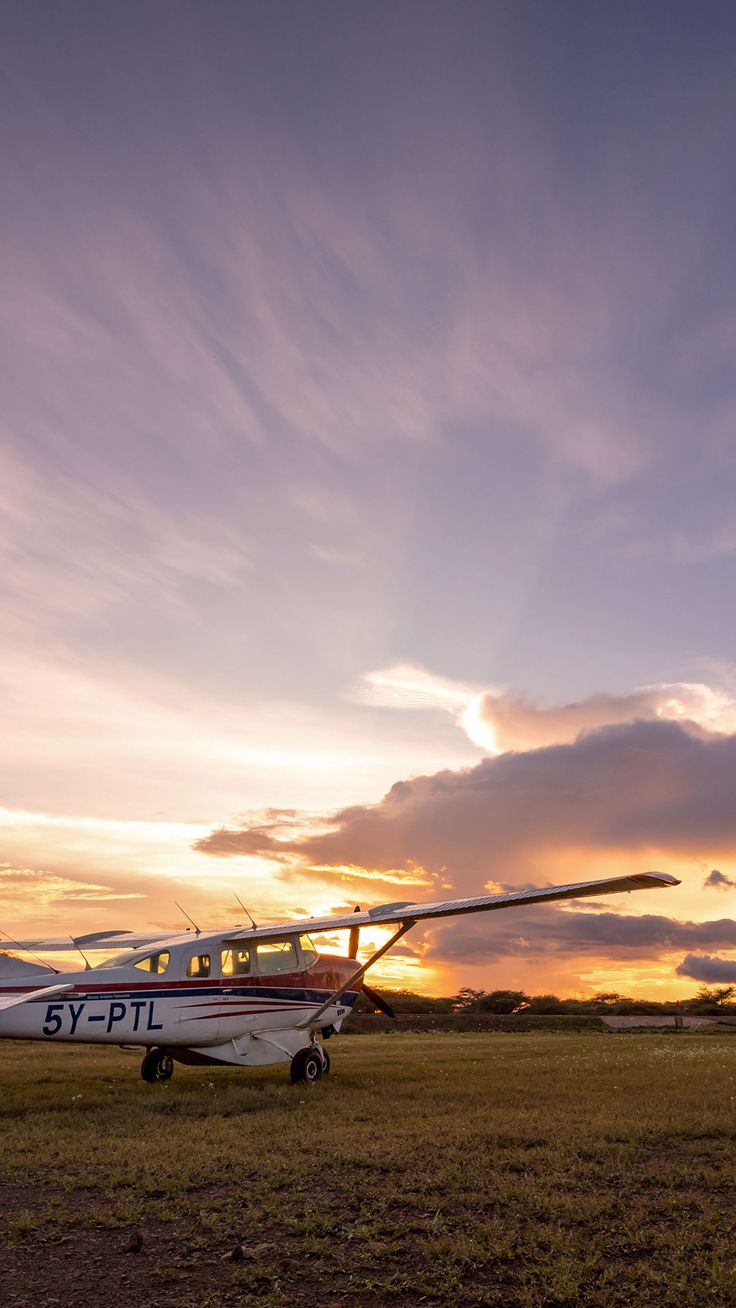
{"type": "Point", "coordinates": [499, 720]}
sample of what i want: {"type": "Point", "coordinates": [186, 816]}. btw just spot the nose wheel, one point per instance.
{"type": "Point", "coordinates": [157, 1066]}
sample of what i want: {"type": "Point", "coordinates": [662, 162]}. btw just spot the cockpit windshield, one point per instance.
{"type": "Point", "coordinates": [119, 960]}
{"type": "Point", "coordinates": [156, 962]}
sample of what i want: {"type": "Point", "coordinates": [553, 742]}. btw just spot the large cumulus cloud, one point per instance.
{"type": "Point", "coordinates": [642, 786]}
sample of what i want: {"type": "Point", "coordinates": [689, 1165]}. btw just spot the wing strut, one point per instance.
{"type": "Point", "coordinates": [348, 985]}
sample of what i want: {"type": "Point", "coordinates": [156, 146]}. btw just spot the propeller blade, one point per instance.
{"type": "Point", "coordinates": [378, 1001]}
{"type": "Point", "coordinates": [354, 939]}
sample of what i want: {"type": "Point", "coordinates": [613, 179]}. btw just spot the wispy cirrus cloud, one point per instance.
{"type": "Point", "coordinates": [233, 324]}
{"type": "Point", "coordinates": [408, 686]}
{"type": "Point", "coordinates": [18, 884]}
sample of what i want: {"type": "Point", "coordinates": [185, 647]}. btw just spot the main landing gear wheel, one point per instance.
{"type": "Point", "coordinates": [309, 1065]}
{"type": "Point", "coordinates": [157, 1066]}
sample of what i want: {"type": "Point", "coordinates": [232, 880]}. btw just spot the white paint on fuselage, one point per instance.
{"type": "Point", "coordinates": [123, 1005]}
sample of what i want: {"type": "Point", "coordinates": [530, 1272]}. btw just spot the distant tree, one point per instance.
{"type": "Point", "coordinates": [468, 998]}
{"type": "Point", "coordinates": [625, 1007]}
{"type": "Point", "coordinates": [711, 999]}
{"type": "Point", "coordinates": [605, 998]}
{"type": "Point", "coordinates": [708, 1000]}
{"type": "Point", "coordinates": [405, 1001]}
{"type": "Point", "coordinates": [546, 1004]}
{"type": "Point", "coordinates": [577, 1006]}
{"type": "Point", "coordinates": [489, 1001]}
{"type": "Point", "coordinates": [506, 1001]}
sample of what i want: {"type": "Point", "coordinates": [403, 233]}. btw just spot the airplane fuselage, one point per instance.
{"type": "Point", "coordinates": [224, 1017]}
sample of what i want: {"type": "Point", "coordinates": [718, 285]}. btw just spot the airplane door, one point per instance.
{"type": "Point", "coordinates": [236, 1000]}
{"type": "Point", "coordinates": [199, 1000]}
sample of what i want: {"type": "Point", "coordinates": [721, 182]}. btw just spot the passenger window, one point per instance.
{"type": "Point", "coordinates": [236, 961]}
{"type": "Point", "coordinates": [276, 956]}
{"type": "Point", "coordinates": [309, 953]}
{"type": "Point", "coordinates": [199, 966]}
{"type": "Point", "coordinates": [157, 963]}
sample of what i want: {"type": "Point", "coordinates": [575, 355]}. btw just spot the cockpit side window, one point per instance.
{"type": "Point", "coordinates": [309, 953]}
{"type": "Point", "coordinates": [236, 961]}
{"type": "Point", "coordinates": [156, 963]}
{"type": "Point", "coordinates": [276, 956]}
{"type": "Point", "coordinates": [199, 966]}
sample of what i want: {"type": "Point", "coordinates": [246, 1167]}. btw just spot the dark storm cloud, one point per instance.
{"type": "Point", "coordinates": [708, 968]}
{"type": "Point", "coordinates": [644, 785]}
{"type": "Point", "coordinates": [545, 931]}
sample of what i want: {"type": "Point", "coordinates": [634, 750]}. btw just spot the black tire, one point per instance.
{"type": "Point", "coordinates": [157, 1066]}
{"type": "Point", "coordinates": [325, 1061]}
{"type": "Point", "coordinates": [307, 1066]}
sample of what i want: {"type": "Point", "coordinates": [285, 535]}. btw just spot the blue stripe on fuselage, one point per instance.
{"type": "Point", "coordinates": [217, 992]}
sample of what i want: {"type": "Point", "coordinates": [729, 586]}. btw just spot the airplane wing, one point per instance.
{"type": "Point", "coordinates": [45, 992]}
{"type": "Point", "coordinates": [407, 915]}
{"type": "Point", "coordinates": [111, 941]}
{"type": "Point", "coordinates": [403, 911]}
{"type": "Point", "coordinates": [384, 915]}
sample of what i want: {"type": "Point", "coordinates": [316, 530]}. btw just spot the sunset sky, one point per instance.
{"type": "Point", "coordinates": [367, 473]}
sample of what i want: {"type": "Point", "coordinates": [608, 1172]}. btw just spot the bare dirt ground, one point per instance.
{"type": "Point", "coordinates": [479, 1169]}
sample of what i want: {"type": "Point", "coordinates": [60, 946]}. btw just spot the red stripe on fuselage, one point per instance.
{"type": "Point", "coordinates": [238, 1012]}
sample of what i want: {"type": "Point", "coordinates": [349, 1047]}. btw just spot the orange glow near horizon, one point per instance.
{"type": "Point", "coordinates": [86, 877]}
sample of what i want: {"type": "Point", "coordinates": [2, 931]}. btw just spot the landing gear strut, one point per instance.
{"type": "Point", "coordinates": [309, 1065]}
{"type": "Point", "coordinates": [157, 1066]}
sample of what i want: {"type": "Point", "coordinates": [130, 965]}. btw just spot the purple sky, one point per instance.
{"type": "Point", "coordinates": [342, 342]}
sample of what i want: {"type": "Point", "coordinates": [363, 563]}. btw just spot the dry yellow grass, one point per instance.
{"type": "Point", "coordinates": [472, 1169]}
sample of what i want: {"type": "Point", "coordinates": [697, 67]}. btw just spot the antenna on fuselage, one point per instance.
{"type": "Point", "coordinates": [87, 964]}
{"type": "Point", "coordinates": [23, 950]}
{"type": "Point", "coordinates": [253, 922]}
{"type": "Point", "coordinates": [189, 919]}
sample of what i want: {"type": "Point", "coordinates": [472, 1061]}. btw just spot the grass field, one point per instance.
{"type": "Point", "coordinates": [471, 1169]}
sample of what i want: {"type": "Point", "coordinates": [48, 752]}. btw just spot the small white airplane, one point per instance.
{"type": "Point", "coordinates": [240, 996]}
